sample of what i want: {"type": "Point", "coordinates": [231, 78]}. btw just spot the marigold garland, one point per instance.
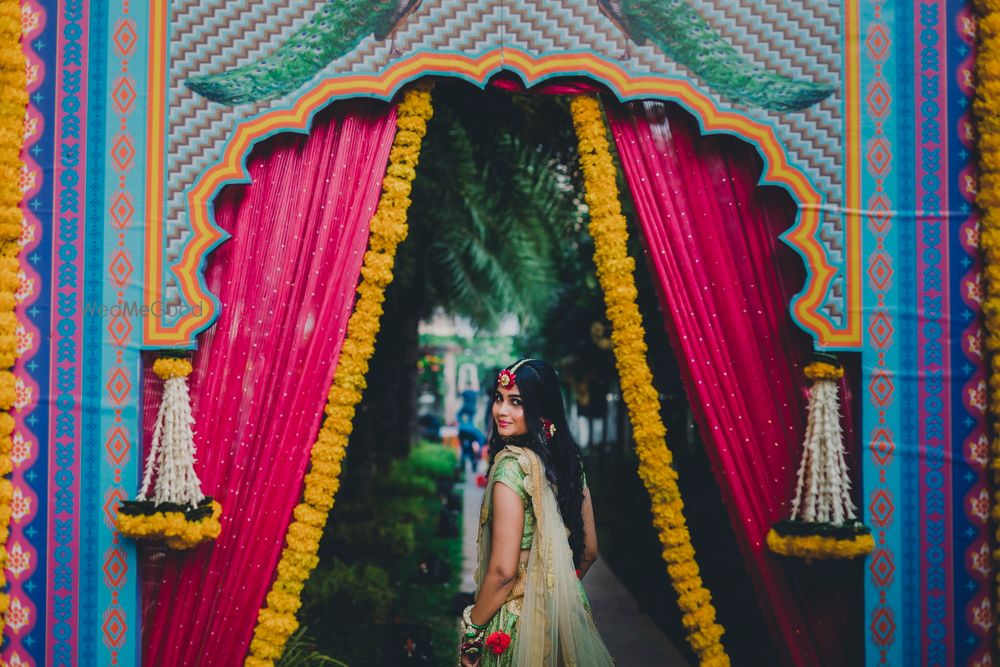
{"type": "Point", "coordinates": [987, 110]}
{"type": "Point", "coordinates": [175, 528]}
{"type": "Point", "coordinates": [820, 547]}
{"type": "Point", "coordinates": [172, 367]}
{"type": "Point", "coordinates": [615, 273]}
{"type": "Point", "coordinates": [821, 370]}
{"type": "Point", "coordinates": [276, 621]}
{"type": "Point", "coordinates": [15, 95]}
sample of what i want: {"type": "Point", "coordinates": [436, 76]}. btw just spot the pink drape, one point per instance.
{"type": "Point", "coordinates": [726, 282]}
{"type": "Point", "coordinates": [286, 281]}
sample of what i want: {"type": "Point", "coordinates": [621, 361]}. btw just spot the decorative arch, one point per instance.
{"type": "Point", "coordinates": [804, 236]}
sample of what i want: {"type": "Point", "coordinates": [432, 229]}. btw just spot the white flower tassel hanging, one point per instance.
{"type": "Point", "coordinates": [823, 523]}
{"type": "Point", "coordinates": [170, 505]}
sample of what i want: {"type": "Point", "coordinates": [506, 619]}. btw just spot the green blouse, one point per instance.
{"type": "Point", "coordinates": [508, 471]}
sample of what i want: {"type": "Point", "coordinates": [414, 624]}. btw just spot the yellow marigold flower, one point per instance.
{"type": "Point", "coordinates": [290, 582]}
{"type": "Point", "coordinates": [172, 367]}
{"type": "Point", "coordinates": [819, 370]}
{"type": "Point", "coordinates": [266, 651]}
{"type": "Point", "coordinates": [283, 602]}
{"type": "Point", "coordinates": [257, 662]}
{"type": "Point", "coordinates": [309, 515]}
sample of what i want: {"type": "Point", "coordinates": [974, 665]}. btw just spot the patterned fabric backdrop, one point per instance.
{"type": "Point", "coordinates": [114, 142]}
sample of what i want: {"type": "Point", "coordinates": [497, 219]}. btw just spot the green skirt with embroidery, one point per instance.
{"type": "Point", "coordinates": [506, 620]}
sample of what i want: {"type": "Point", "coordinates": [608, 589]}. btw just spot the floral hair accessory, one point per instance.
{"type": "Point", "coordinates": [548, 429]}
{"type": "Point", "coordinates": [498, 642]}
{"type": "Point", "coordinates": [506, 379]}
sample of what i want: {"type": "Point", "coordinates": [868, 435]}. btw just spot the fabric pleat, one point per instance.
{"type": "Point", "coordinates": [725, 283]}
{"type": "Point", "coordinates": [286, 280]}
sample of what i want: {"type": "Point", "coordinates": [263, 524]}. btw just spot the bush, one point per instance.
{"type": "Point", "coordinates": [400, 509]}
{"type": "Point", "coordinates": [350, 606]}
{"type": "Point", "coordinates": [341, 592]}
{"type": "Point", "coordinates": [389, 519]}
{"type": "Point", "coordinates": [433, 460]}
{"type": "Point", "coordinates": [402, 480]}
{"type": "Point", "coordinates": [406, 509]}
{"type": "Point", "coordinates": [375, 538]}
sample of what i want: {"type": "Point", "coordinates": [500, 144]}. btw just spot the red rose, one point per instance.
{"type": "Point", "coordinates": [498, 642]}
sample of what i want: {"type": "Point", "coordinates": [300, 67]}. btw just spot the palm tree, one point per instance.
{"type": "Point", "coordinates": [493, 201]}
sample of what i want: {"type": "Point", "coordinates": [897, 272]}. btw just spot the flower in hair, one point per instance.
{"type": "Point", "coordinates": [548, 429]}
{"type": "Point", "coordinates": [506, 379]}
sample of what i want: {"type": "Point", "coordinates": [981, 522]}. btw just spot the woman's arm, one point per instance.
{"type": "Point", "coordinates": [505, 552]}
{"type": "Point", "coordinates": [589, 534]}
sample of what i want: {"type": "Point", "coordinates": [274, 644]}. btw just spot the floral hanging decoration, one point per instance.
{"type": "Point", "coordinates": [823, 523]}
{"type": "Point", "coordinates": [170, 506]}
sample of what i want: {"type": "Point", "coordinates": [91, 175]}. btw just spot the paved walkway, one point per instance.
{"type": "Point", "coordinates": [631, 636]}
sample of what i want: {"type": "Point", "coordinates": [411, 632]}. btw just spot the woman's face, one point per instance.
{"type": "Point", "coordinates": [508, 412]}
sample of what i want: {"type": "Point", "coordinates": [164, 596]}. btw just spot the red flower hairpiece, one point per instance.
{"type": "Point", "coordinates": [506, 379]}
{"type": "Point", "coordinates": [548, 429]}
{"type": "Point", "coordinates": [498, 642]}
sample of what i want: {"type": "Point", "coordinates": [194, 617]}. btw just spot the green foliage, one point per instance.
{"type": "Point", "coordinates": [365, 582]}
{"type": "Point", "coordinates": [491, 198]}
{"type": "Point", "coordinates": [369, 539]}
{"type": "Point", "coordinates": [351, 604]}
{"type": "Point", "coordinates": [401, 480]}
{"type": "Point", "coordinates": [338, 592]}
{"type": "Point", "coordinates": [300, 651]}
{"type": "Point", "coordinates": [433, 460]}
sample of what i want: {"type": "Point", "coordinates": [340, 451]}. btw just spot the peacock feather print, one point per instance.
{"type": "Point", "coordinates": [333, 31]}
{"type": "Point", "coordinates": [674, 26]}
{"type": "Point", "coordinates": [682, 34]}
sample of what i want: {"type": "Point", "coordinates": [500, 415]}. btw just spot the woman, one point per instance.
{"type": "Point", "coordinates": [536, 535]}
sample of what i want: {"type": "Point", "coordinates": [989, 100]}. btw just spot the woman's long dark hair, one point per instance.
{"type": "Point", "coordinates": [538, 387]}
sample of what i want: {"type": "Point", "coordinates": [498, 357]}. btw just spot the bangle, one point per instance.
{"type": "Point", "coordinates": [472, 648]}
{"type": "Point", "coordinates": [467, 618]}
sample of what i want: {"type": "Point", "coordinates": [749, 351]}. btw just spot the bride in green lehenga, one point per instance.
{"type": "Point", "coordinates": [536, 535]}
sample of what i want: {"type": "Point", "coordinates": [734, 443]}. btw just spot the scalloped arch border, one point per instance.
{"type": "Point", "coordinates": [206, 235]}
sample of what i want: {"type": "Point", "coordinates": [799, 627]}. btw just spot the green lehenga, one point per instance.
{"type": "Point", "coordinates": [547, 606]}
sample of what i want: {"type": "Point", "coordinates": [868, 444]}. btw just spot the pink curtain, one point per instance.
{"type": "Point", "coordinates": [287, 282]}
{"type": "Point", "coordinates": [726, 282]}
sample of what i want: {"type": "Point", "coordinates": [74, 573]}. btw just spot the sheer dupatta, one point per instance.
{"type": "Point", "coordinates": [553, 613]}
